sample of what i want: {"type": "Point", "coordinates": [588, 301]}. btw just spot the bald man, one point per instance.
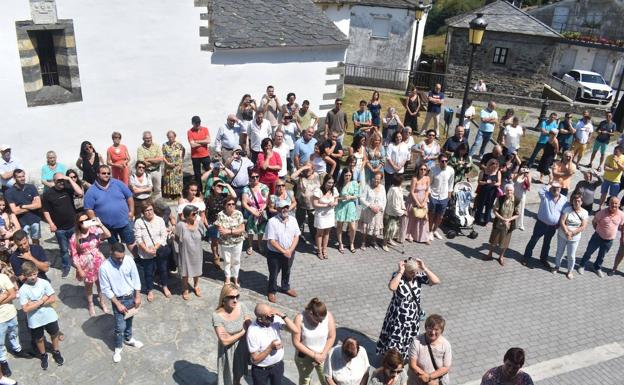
{"type": "Point", "coordinates": [230, 135]}
{"type": "Point", "coordinates": [265, 344]}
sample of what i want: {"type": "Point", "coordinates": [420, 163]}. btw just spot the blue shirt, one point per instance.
{"type": "Point", "coordinates": [362, 116]}
{"type": "Point", "coordinates": [486, 114]}
{"type": "Point", "coordinates": [304, 150]}
{"type": "Point", "coordinates": [118, 280]}
{"type": "Point", "coordinates": [110, 203]}
{"type": "Point", "coordinates": [47, 173]}
{"type": "Point", "coordinates": [23, 196]}
{"type": "Point", "coordinates": [432, 107]}
{"type": "Point", "coordinates": [548, 127]}
{"type": "Point", "coordinates": [44, 314]}
{"type": "Point", "coordinates": [550, 211]}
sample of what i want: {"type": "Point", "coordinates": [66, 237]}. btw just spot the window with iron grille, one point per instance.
{"type": "Point", "coordinates": [44, 46]}
{"type": "Point", "coordinates": [500, 55]}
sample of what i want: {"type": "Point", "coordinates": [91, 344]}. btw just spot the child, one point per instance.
{"type": "Point", "coordinates": [8, 327]}
{"type": "Point", "coordinates": [36, 297]}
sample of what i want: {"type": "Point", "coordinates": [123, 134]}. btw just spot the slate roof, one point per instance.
{"type": "Point", "coordinates": [406, 4]}
{"type": "Point", "coordinates": [238, 24]}
{"type": "Point", "coordinates": [501, 16]}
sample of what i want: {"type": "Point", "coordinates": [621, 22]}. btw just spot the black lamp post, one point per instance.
{"type": "Point", "coordinates": [616, 99]}
{"type": "Point", "coordinates": [475, 35]}
{"type": "Point", "coordinates": [418, 14]}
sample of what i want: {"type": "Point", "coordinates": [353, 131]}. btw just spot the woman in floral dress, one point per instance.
{"type": "Point", "coordinates": [346, 211]}
{"type": "Point", "coordinates": [173, 153]}
{"type": "Point", "coordinates": [87, 258]}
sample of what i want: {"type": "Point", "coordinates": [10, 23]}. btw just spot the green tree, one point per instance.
{"type": "Point", "coordinates": [443, 9]}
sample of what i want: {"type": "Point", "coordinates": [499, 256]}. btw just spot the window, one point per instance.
{"type": "Point", "coordinates": [500, 55]}
{"type": "Point", "coordinates": [381, 27]}
{"type": "Point", "coordinates": [49, 62]}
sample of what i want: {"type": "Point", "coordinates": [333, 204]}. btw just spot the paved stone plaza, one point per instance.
{"type": "Point", "coordinates": [488, 309]}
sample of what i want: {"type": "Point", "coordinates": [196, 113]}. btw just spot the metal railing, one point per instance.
{"type": "Point", "coordinates": [564, 88]}
{"type": "Point", "coordinates": [389, 78]}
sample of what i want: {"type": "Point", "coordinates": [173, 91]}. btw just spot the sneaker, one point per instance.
{"type": "Point", "coordinates": [580, 270]}
{"type": "Point", "coordinates": [117, 355]}
{"type": "Point", "coordinates": [391, 242]}
{"type": "Point", "coordinates": [44, 361]}
{"type": "Point", "coordinates": [6, 370]}
{"type": "Point", "coordinates": [600, 273]}
{"type": "Point", "coordinates": [21, 354]}
{"type": "Point", "coordinates": [437, 234]}
{"type": "Point", "coordinates": [385, 248]}
{"type": "Point", "coordinates": [611, 273]}
{"type": "Point", "coordinates": [56, 355]}
{"type": "Point", "coordinates": [135, 343]}
{"type": "Point", "coordinates": [4, 380]}
{"type": "Point", "coordinates": [65, 272]}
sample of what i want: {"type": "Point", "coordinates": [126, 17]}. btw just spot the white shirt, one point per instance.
{"type": "Point", "coordinates": [512, 137]}
{"type": "Point", "coordinates": [282, 231]}
{"type": "Point", "coordinates": [441, 182]}
{"type": "Point", "coordinates": [119, 280]}
{"type": "Point", "coordinates": [240, 169]}
{"type": "Point", "coordinates": [257, 133]}
{"type": "Point", "coordinates": [229, 137]}
{"type": "Point", "coordinates": [290, 134]}
{"type": "Point", "coordinates": [345, 373]}
{"type": "Point", "coordinates": [470, 111]}
{"type": "Point", "coordinates": [5, 166]}
{"type": "Point", "coordinates": [259, 338]}
{"type": "Point", "coordinates": [399, 155]}
{"type": "Point", "coordinates": [284, 153]}
{"type": "Point", "coordinates": [583, 131]}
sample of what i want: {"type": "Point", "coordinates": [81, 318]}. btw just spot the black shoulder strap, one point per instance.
{"type": "Point", "coordinates": [433, 361]}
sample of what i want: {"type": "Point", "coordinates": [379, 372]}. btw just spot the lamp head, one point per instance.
{"type": "Point", "coordinates": [477, 29]}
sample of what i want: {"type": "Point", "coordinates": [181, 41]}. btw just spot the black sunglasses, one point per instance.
{"type": "Point", "coordinates": [231, 297]}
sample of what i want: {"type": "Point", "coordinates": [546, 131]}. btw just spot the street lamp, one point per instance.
{"type": "Point", "coordinates": [418, 14]}
{"type": "Point", "coordinates": [475, 35]}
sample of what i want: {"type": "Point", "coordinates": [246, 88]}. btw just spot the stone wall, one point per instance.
{"type": "Point", "coordinates": [524, 73]}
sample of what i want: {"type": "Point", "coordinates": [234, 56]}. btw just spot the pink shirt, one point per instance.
{"type": "Point", "coordinates": [607, 226]}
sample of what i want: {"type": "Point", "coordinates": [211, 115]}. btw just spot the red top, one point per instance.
{"type": "Point", "coordinates": [268, 176]}
{"type": "Point", "coordinates": [201, 134]}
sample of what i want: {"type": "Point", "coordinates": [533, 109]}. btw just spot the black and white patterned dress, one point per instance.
{"type": "Point", "coordinates": [402, 322]}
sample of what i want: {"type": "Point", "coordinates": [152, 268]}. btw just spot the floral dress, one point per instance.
{"type": "Point", "coordinates": [172, 176]}
{"type": "Point", "coordinates": [256, 225]}
{"type": "Point", "coordinates": [402, 322]}
{"type": "Point", "coordinates": [85, 253]}
{"type": "Point", "coordinates": [346, 211]}
{"type": "Point", "coordinates": [375, 159]}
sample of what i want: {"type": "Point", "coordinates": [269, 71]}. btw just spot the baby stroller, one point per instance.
{"type": "Point", "coordinates": [458, 214]}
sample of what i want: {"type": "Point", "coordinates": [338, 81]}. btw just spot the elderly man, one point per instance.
{"type": "Point", "coordinates": [265, 345]}
{"type": "Point", "coordinates": [282, 235]}
{"type": "Point", "coordinates": [607, 223]}
{"type": "Point", "coordinates": [25, 202]}
{"type": "Point", "coordinates": [111, 201]}
{"type": "Point", "coordinates": [60, 213]}
{"type": "Point", "coordinates": [7, 165]}
{"type": "Point", "coordinates": [489, 118]}
{"type": "Point", "coordinates": [199, 139]}
{"type": "Point", "coordinates": [434, 109]}
{"type": "Point", "coordinates": [548, 214]}
{"type": "Point", "coordinates": [151, 153]}
{"type": "Point", "coordinates": [120, 282]}
{"type": "Point", "coordinates": [497, 153]}
{"type": "Point", "coordinates": [304, 147]}
{"type": "Point", "coordinates": [454, 141]}
{"type": "Point", "coordinates": [230, 135]}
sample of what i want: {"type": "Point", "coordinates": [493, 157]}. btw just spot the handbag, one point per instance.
{"type": "Point", "coordinates": [263, 218]}
{"type": "Point", "coordinates": [419, 212]}
{"type": "Point", "coordinates": [433, 361]}
{"type": "Point", "coordinates": [499, 192]}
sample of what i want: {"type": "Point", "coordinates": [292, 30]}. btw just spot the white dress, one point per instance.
{"type": "Point", "coordinates": [325, 218]}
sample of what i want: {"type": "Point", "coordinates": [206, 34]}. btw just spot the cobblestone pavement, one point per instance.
{"type": "Point", "coordinates": [488, 309]}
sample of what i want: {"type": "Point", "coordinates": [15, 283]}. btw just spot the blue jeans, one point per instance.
{"type": "Point", "coordinates": [123, 327]}
{"type": "Point", "coordinates": [603, 246]}
{"type": "Point", "coordinates": [540, 229]}
{"type": "Point", "coordinates": [480, 142]}
{"type": "Point", "coordinates": [125, 234]}
{"type": "Point", "coordinates": [62, 237]}
{"type": "Point", "coordinates": [9, 329]}
{"type": "Point", "coordinates": [146, 267]}
{"type": "Point", "coordinates": [538, 147]}
{"type": "Point", "coordinates": [278, 262]}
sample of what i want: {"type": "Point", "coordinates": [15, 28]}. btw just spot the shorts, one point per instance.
{"type": "Point", "coordinates": [34, 230]}
{"type": "Point", "coordinates": [579, 148]}
{"type": "Point", "coordinates": [611, 187]}
{"type": "Point", "coordinates": [438, 206]}
{"type": "Point", "coordinates": [125, 234]}
{"type": "Point", "coordinates": [600, 146]}
{"type": "Point", "coordinates": [52, 328]}
{"type": "Point", "coordinates": [213, 232]}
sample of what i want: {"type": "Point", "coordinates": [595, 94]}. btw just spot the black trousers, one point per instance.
{"type": "Point", "coordinates": [301, 215]}
{"type": "Point", "coordinates": [198, 163]}
{"type": "Point", "coordinates": [274, 374]}
{"type": "Point", "coordinates": [277, 262]}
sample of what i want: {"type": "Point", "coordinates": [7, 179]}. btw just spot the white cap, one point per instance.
{"type": "Point", "coordinates": [4, 147]}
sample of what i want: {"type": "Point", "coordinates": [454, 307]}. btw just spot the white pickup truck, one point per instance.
{"type": "Point", "coordinates": [589, 86]}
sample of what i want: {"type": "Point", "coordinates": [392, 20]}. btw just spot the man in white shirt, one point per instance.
{"type": "Point", "coordinates": [265, 345]}
{"type": "Point", "coordinates": [7, 165]}
{"type": "Point", "coordinates": [442, 179]}
{"type": "Point", "coordinates": [282, 235]}
{"type": "Point", "coordinates": [259, 129]}
{"type": "Point", "coordinates": [468, 115]}
{"type": "Point", "coordinates": [584, 129]}
{"type": "Point", "coordinates": [239, 165]}
{"type": "Point", "coordinates": [120, 282]}
{"type": "Point", "coordinates": [230, 135]}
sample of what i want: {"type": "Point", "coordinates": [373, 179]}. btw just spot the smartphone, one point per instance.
{"type": "Point", "coordinates": [90, 223]}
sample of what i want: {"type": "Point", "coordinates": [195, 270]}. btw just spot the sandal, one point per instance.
{"type": "Point", "coordinates": [249, 250]}
{"type": "Point", "coordinates": [341, 249]}
{"type": "Point", "coordinates": [197, 291]}
{"type": "Point", "coordinates": [320, 255]}
{"type": "Point", "coordinates": [166, 292]}
{"type": "Point", "coordinates": [185, 295]}
{"type": "Point", "coordinates": [324, 253]}
{"type": "Point", "coordinates": [352, 249]}
{"type": "Point", "coordinates": [363, 248]}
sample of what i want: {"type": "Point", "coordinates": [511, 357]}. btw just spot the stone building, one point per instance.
{"type": "Point", "coordinates": [593, 36]}
{"type": "Point", "coordinates": [514, 58]}
{"type": "Point", "coordinates": [77, 70]}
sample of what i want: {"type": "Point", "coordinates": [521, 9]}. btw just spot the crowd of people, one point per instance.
{"type": "Point", "coordinates": [271, 170]}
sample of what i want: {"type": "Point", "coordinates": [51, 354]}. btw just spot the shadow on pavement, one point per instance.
{"type": "Point", "coordinates": [188, 373]}
{"type": "Point", "coordinates": [470, 252]}
{"type": "Point", "coordinates": [73, 296]}
{"type": "Point", "coordinates": [101, 328]}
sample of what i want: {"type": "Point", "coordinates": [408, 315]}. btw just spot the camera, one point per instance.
{"type": "Point", "coordinates": [90, 223]}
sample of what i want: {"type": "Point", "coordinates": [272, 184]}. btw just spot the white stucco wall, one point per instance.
{"type": "Point", "coordinates": [141, 68]}
{"type": "Point", "coordinates": [341, 16]}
